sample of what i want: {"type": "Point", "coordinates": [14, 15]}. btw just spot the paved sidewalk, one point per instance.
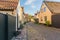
{"type": "Point", "coordinates": [21, 36]}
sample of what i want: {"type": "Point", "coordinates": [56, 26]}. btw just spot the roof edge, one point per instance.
{"type": "Point", "coordinates": [47, 5]}
{"type": "Point", "coordinates": [51, 1]}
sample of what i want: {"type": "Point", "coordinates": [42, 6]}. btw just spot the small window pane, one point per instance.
{"type": "Point", "coordinates": [45, 18]}
{"type": "Point", "coordinates": [44, 9]}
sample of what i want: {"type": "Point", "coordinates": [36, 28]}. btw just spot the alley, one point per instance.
{"type": "Point", "coordinates": [41, 32]}
{"type": "Point", "coordinates": [33, 31]}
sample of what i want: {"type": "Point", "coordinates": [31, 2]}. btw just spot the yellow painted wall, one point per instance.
{"type": "Point", "coordinates": [42, 14]}
{"type": "Point", "coordinates": [21, 15]}
{"type": "Point", "coordinates": [32, 20]}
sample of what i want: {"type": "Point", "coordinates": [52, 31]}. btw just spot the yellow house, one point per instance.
{"type": "Point", "coordinates": [26, 17]}
{"type": "Point", "coordinates": [36, 15]}
{"type": "Point", "coordinates": [50, 11]}
{"type": "Point", "coordinates": [21, 15]}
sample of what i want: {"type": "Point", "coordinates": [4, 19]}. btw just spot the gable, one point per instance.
{"type": "Point", "coordinates": [53, 6]}
{"type": "Point", "coordinates": [45, 9]}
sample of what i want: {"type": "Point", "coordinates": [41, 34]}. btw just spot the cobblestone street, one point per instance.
{"type": "Point", "coordinates": [21, 36]}
{"type": "Point", "coordinates": [41, 32]}
{"type": "Point", "coordinates": [33, 31]}
{"type": "Point", "coordinates": [33, 34]}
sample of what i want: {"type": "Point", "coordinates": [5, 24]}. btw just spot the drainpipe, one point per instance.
{"type": "Point", "coordinates": [17, 21]}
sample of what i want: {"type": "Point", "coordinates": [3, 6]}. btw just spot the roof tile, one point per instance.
{"type": "Point", "coordinates": [8, 4]}
{"type": "Point", "coordinates": [53, 6]}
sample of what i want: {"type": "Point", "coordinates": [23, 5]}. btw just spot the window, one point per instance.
{"type": "Point", "coordinates": [12, 13]}
{"type": "Point", "coordinates": [45, 18]}
{"type": "Point", "coordinates": [41, 10]}
{"type": "Point", "coordinates": [41, 19]}
{"type": "Point", "coordinates": [44, 9]}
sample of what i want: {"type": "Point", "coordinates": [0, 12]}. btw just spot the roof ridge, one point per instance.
{"type": "Point", "coordinates": [52, 1]}
{"type": "Point", "coordinates": [8, 4]}
{"type": "Point", "coordinates": [52, 8]}
{"type": "Point", "coordinates": [8, 1]}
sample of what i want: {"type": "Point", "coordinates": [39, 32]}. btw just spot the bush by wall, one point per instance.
{"type": "Point", "coordinates": [47, 23]}
{"type": "Point", "coordinates": [36, 21]}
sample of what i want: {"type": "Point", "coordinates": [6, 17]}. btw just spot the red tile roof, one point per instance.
{"type": "Point", "coordinates": [8, 4]}
{"type": "Point", "coordinates": [53, 6]}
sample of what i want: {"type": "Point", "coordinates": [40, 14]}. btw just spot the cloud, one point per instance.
{"type": "Point", "coordinates": [50, 0]}
{"type": "Point", "coordinates": [47, 0]}
{"type": "Point", "coordinates": [28, 2]}
{"type": "Point", "coordinates": [33, 6]}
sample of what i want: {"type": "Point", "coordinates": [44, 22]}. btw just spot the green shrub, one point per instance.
{"type": "Point", "coordinates": [21, 27]}
{"type": "Point", "coordinates": [25, 22]}
{"type": "Point", "coordinates": [47, 23]}
{"type": "Point", "coordinates": [36, 21]}
{"type": "Point", "coordinates": [15, 33]}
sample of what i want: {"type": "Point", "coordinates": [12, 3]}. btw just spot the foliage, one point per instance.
{"type": "Point", "coordinates": [47, 23]}
{"type": "Point", "coordinates": [25, 22]}
{"type": "Point", "coordinates": [30, 16]}
{"type": "Point", "coordinates": [36, 21]}
{"type": "Point", "coordinates": [21, 26]}
{"type": "Point", "coordinates": [16, 33]}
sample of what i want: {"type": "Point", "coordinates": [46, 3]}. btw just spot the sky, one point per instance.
{"type": "Point", "coordinates": [32, 6]}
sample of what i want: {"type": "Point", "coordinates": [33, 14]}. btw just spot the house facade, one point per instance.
{"type": "Point", "coordinates": [7, 18]}
{"type": "Point", "coordinates": [45, 14]}
{"type": "Point", "coordinates": [26, 16]}
{"type": "Point", "coordinates": [36, 15]}
{"type": "Point", "coordinates": [21, 15]}
{"type": "Point", "coordinates": [8, 7]}
{"type": "Point", "coordinates": [50, 12]}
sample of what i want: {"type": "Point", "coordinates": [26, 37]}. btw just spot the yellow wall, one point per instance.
{"type": "Point", "coordinates": [21, 15]}
{"type": "Point", "coordinates": [42, 14]}
{"type": "Point", "coordinates": [32, 20]}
